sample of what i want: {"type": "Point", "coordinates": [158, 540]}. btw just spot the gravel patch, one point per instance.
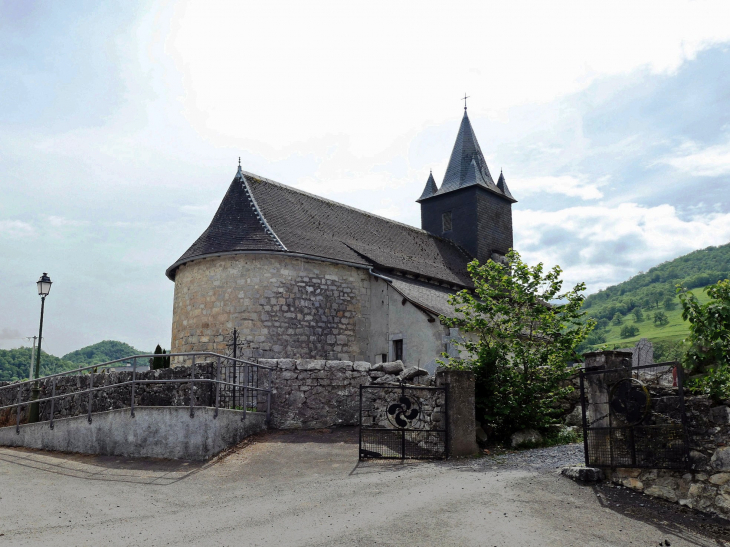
{"type": "Point", "coordinates": [536, 459]}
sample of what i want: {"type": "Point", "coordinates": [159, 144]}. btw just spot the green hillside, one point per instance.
{"type": "Point", "coordinates": [652, 292]}
{"type": "Point", "coordinates": [101, 352]}
{"type": "Point", "coordinates": [15, 363]}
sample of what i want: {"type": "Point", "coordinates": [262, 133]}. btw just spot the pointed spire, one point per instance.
{"type": "Point", "coordinates": [467, 165]}
{"type": "Point", "coordinates": [502, 185]}
{"type": "Point", "coordinates": [430, 188]}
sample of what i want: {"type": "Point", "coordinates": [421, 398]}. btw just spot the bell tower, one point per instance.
{"type": "Point", "coordinates": [469, 208]}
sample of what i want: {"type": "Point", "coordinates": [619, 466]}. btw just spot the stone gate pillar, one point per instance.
{"type": "Point", "coordinates": [460, 411]}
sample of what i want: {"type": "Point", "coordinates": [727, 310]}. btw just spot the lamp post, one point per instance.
{"type": "Point", "coordinates": [44, 287]}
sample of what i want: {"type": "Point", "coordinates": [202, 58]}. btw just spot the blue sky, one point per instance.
{"type": "Point", "coordinates": [123, 123]}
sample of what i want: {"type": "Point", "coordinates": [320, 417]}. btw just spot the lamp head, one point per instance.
{"type": "Point", "coordinates": [44, 285]}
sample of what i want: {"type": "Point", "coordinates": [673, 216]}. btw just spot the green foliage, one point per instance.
{"type": "Point", "coordinates": [15, 364]}
{"type": "Point", "coordinates": [159, 362]}
{"type": "Point", "coordinates": [669, 350]}
{"type": "Point", "coordinates": [108, 350]}
{"type": "Point", "coordinates": [522, 331]}
{"type": "Point", "coordinates": [709, 339]}
{"type": "Point", "coordinates": [669, 303]}
{"type": "Point", "coordinates": [660, 318]}
{"type": "Point", "coordinates": [627, 331]}
{"type": "Point", "coordinates": [715, 384]}
{"type": "Point", "coordinates": [638, 315]}
{"type": "Point", "coordinates": [617, 319]}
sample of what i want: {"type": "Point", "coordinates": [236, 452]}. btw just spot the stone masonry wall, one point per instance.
{"type": "Point", "coordinates": [306, 393]}
{"type": "Point", "coordinates": [283, 306]}
{"type": "Point", "coordinates": [170, 394]}
{"type": "Point", "coordinates": [706, 485]}
{"type": "Point", "coordinates": [311, 393]}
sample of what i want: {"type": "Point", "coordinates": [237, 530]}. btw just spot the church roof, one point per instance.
{"type": "Point", "coordinates": [467, 166]}
{"type": "Point", "coordinates": [258, 214]}
{"type": "Point", "coordinates": [502, 185]}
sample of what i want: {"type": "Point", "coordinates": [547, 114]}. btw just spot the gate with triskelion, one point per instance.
{"type": "Point", "coordinates": [399, 421]}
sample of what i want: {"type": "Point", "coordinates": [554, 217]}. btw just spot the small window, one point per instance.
{"type": "Point", "coordinates": [397, 350]}
{"type": "Point", "coordinates": [384, 358]}
{"type": "Point", "coordinates": [446, 221]}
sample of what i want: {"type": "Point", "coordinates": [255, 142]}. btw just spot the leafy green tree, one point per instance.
{"type": "Point", "coordinates": [627, 331]}
{"type": "Point", "coordinates": [709, 339]}
{"type": "Point", "coordinates": [159, 362]}
{"type": "Point", "coordinates": [669, 303]}
{"type": "Point", "coordinates": [638, 315]}
{"type": "Point", "coordinates": [617, 319]}
{"type": "Point", "coordinates": [523, 330]}
{"type": "Point", "coordinates": [660, 318]}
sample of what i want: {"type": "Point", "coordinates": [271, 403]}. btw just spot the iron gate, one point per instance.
{"type": "Point", "coordinates": [634, 417]}
{"type": "Point", "coordinates": [403, 422]}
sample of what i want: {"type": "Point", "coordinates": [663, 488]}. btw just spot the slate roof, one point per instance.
{"type": "Point", "coordinates": [467, 166]}
{"type": "Point", "coordinates": [425, 295]}
{"type": "Point", "coordinates": [258, 214]}
{"type": "Point", "coordinates": [430, 188]}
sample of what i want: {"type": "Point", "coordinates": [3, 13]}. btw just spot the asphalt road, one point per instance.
{"type": "Point", "coordinates": [308, 488]}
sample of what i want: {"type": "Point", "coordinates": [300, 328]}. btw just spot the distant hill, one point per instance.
{"type": "Point", "coordinates": [15, 363]}
{"type": "Point", "coordinates": [101, 352]}
{"type": "Point", "coordinates": [616, 307]}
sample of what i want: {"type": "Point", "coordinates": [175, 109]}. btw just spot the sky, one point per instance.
{"type": "Point", "coordinates": [122, 124]}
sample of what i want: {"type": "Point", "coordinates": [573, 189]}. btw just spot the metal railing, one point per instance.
{"type": "Point", "coordinates": [249, 392]}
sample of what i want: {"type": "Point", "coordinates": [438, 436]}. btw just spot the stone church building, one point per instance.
{"type": "Point", "coordinates": [301, 276]}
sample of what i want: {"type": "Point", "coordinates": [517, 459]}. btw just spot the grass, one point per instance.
{"type": "Point", "coordinates": [676, 329]}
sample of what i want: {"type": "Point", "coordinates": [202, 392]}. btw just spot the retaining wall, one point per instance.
{"type": "Point", "coordinates": [154, 432]}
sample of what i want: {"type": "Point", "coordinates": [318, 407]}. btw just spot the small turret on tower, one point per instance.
{"type": "Point", "coordinates": [430, 188]}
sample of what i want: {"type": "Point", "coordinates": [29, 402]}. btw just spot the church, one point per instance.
{"type": "Point", "coordinates": [304, 277]}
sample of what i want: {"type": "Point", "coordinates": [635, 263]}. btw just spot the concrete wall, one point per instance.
{"type": "Point", "coordinates": [154, 432]}
{"type": "Point", "coordinates": [284, 307]}
{"type": "Point", "coordinates": [393, 318]}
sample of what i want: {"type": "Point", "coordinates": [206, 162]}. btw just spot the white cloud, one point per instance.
{"type": "Point", "coordinates": [63, 222]}
{"type": "Point", "coordinates": [16, 229]}
{"type": "Point", "coordinates": [712, 161]}
{"type": "Point", "coordinates": [606, 245]}
{"type": "Point", "coordinates": [565, 184]}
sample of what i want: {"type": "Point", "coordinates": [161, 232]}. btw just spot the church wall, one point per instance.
{"type": "Point", "coordinates": [283, 307]}
{"type": "Point", "coordinates": [391, 319]}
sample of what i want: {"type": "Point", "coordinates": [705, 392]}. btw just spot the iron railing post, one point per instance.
{"type": "Point", "coordinates": [403, 431]}
{"type": "Point", "coordinates": [91, 393]}
{"type": "Point", "coordinates": [53, 401]}
{"type": "Point", "coordinates": [217, 387]}
{"type": "Point", "coordinates": [581, 376]}
{"type": "Point", "coordinates": [20, 398]}
{"type": "Point", "coordinates": [134, 379]}
{"type": "Point", "coordinates": [268, 398]}
{"type": "Point", "coordinates": [235, 355]}
{"type": "Point", "coordinates": [192, 387]}
{"type": "Point", "coordinates": [359, 441]}
{"type": "Point", "coordinates": [446, 420]}
{"type": "Point", "coordinates": [245, 391]}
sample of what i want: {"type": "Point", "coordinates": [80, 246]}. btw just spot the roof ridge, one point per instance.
{"type": "Point", "coordinates": [339, 204]}
{"type": "Point", "coordinates": [259, 213]}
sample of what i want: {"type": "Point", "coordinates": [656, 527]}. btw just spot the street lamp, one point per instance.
{"type": "Point", "coordinates": [44, 287]}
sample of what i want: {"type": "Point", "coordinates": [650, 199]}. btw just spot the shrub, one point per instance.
{"type": "Point", "coordinates": [627, 331]}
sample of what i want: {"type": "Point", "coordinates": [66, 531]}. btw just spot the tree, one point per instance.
{"type": "Point", "coordinates": [639, 315]}
{"type": "Point", "coordinates": [660, 318]}
{"type": "Point", "coordinates": [159, 362]}
{"type": "Point", "coordinates": [627, 331]}
{"type": "Point", "coordinates": [709, 339]}
{"type": "Point", "coordinates": [617, 319]}
{"type": "Point", "coordinates": [523, 330]}
{"type": "Point", "coordinates": [669, 303]}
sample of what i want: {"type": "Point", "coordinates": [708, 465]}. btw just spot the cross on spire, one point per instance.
{"type": "Point", "coordinates": [464, 99]}
{"type": "Point", "coordinates": [239, 161]}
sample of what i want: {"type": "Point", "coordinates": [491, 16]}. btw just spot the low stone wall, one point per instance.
{"type": "Point", "coordinates": [311, 393]}
{"type": "Point", "coordinates": [706, 485]}
{"type": "Point", "coordinates": [169, 394]}
{"type": "Point", "coordinates": [306, 393]}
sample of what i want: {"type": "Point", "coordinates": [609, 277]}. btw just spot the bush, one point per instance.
{"type": "Point", "coordinates": [627, 331]}
{"type": "Point", "coordinates": [670, 303]}
{"type": "Point", "coordinates": [617, 319]}
{"type": "Point", "coordinates": [638, 315]}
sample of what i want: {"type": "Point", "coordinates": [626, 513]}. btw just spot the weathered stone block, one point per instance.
{"type": "Point", "coordinates": [394, 367]}
{"type": "Point", "coordinates": [720, 414]}
{"type": "Point", "coordinates": [338, 365]}
{"type": "Point", "coordinates": [584, 474]}
{"type": "Point", "coordinates": [361, 366]}
{"type": "Point", "coordinates": [310, 364]}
